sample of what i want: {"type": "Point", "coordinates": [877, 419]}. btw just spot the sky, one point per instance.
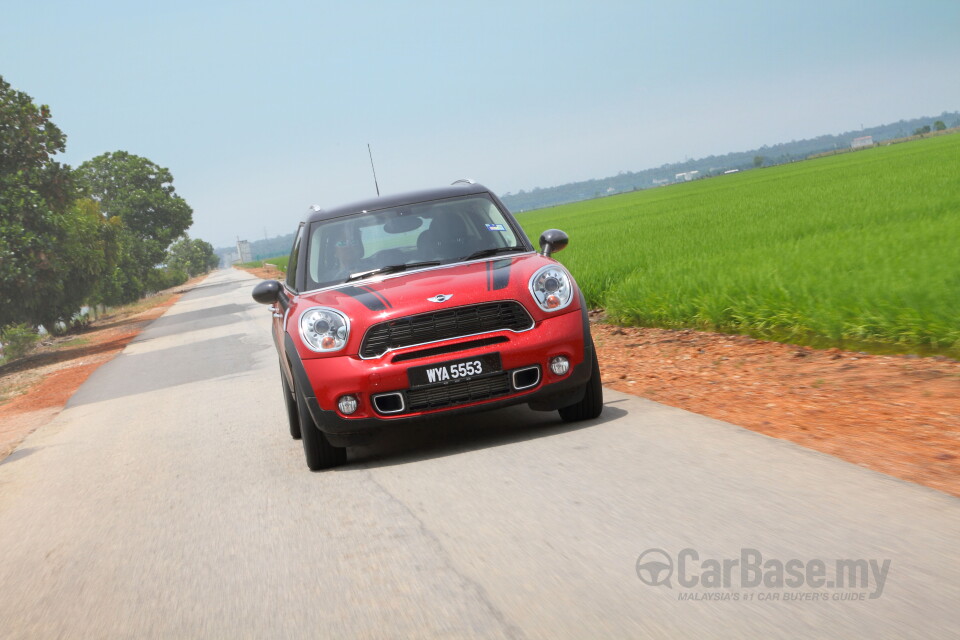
{"type": "Point", "coordinates": [262, 109]}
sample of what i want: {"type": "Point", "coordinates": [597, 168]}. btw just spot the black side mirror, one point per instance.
{"type": "Point", "coordinates": [552, 240]}
{"type": "Point", "coordinates": [267, 292]}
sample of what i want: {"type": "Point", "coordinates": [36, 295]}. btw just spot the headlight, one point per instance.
{"type": "Point", "coordinates": [324, 329]}
{"type": "Point", "coordinates": [552, 288]}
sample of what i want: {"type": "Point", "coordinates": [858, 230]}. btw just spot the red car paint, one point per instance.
{"type": "Point", "coordinates": [339, 373]}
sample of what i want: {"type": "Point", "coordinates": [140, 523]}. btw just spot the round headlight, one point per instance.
{"type": "Point", "coordinates": [552, 288]}
{"type": "Point", "coordinates": [324, 329]}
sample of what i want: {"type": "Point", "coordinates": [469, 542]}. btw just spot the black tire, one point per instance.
{"type": "Point", "coordinates": [319, 452]}
{"type": "Point", "coordinates": [293, 416]}
{"type": "Point", "coordinates": [592, 403]}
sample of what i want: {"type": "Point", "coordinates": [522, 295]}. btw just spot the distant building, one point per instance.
{"type": "Point", "coordinates": [686, 176]}
{"type": "Point", "coordinates": [732, 171]}
{"type": "Point", "coordinates": [243, 251]}
{"type": "Point", "coordinates": [861, 142]}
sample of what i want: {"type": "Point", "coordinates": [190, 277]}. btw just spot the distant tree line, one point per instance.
{"type": "Point", "coordinates": [105, 233]}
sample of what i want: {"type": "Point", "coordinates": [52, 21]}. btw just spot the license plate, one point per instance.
{"type": "Point", "coordinates": [454, 370]}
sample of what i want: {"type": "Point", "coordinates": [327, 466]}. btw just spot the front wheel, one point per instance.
{"type": "Point", "coordinates": [319, 452]}
{"type": "Point", "coordinates": [592, 403]}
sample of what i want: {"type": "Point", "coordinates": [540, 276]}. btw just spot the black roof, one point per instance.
{"type": "Point", "coordinates": [395, 200]}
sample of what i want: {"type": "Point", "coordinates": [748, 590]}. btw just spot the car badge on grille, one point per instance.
{"type": "Point", "coordinates": [442, 297]}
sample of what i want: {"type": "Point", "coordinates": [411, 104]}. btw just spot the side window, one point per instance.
{"type": "Point", "coordinates": [294, 258]}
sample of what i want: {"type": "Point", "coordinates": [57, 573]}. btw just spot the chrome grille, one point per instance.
{"type": "Point", "coordinates": [443, 325]}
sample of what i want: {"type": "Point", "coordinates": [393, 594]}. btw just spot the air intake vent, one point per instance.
{"type": "Point", "coordinates": [458, 393]}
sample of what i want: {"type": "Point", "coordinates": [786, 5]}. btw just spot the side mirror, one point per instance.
{"type": "Point", "coordinates": [552, 240]}
{"type": "Point", "coordinates": [267, 292]}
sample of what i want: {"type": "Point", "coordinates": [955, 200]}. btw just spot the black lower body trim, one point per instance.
{"type": "Point", "coordinates": [343, 432]}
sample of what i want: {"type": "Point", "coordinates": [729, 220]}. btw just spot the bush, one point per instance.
{"type": "Point", "coordinates": [166, 278]}
{"type": "Point", "coordinates": [80, 321]}
{"type": "Point", "coordinates": [17, 340]}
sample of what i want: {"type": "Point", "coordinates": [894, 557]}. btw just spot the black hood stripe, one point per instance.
{"type": "Point", "coordinates": [382, 298]}
{"type": "Point", "coordinates": [367, 297]}
{"type": "Point", "coordinates": [498, 274]}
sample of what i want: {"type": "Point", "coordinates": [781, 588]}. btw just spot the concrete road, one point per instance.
{"type": "Point", "coordinates": [169, 501]}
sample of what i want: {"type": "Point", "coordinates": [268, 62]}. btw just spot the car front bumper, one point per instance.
{"type": "Point", "coordinates": [327, 379]}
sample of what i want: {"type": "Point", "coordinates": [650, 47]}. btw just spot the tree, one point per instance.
{"type": "Point", "coordinates": [193, 257]}
{"type": "Point", "coordinates": [758, 161]}
{"type": "Point", "coordinates": [939, 125]}
{"type": "Point", "coordinates": [124, 279]}
{"type": "Point", "coordinates": [35, 194]}
{"type": "Point", "coordinates": [141, 194]}
{"type": "Point", "coordinates": [77, 263]}
{"type": "Point", "coordinates": [208, 254]}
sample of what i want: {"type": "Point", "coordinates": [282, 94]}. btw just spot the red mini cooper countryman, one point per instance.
{"type": "Point", "coordinates": [424, 303]}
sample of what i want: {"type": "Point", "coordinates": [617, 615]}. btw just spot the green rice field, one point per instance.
{"type": "Point", "coordinates": [859, 250]}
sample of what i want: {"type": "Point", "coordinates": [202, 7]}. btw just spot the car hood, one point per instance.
{"type": "Point", "coordinates": [379, 299]}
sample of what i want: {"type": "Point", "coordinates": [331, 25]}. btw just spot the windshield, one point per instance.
{"type": "Point", "coordinates": [440, 232]}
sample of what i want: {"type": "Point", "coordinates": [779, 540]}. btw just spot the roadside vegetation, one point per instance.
{"type": "Point", "coordinates": [104, 234]}
{"type": "Point", "coordinates": [856, 251]}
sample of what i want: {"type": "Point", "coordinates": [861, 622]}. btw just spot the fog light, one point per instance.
{"type": "Point", "coordinates": [347, 404]}
{"type": "Point", "coordinates": [559, 365]}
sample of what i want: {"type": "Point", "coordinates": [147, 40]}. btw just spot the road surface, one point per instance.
{"type": "Point", "coordinates": [168, 500]}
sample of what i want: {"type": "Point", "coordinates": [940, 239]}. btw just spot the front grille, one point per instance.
{"type": "Point", "coordinates": [443, 325]}
{"type": "Point", "coordinates": [448, 348]}
{"type": "Point", "coordinates": [458, 393]}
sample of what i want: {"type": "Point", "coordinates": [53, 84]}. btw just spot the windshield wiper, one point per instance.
{"type": "Point", "coordinates": [483, 253]}
{"type": "Point", "coordinates": [392, 268]}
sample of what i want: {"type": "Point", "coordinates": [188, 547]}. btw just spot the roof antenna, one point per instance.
{"type": "Point", "coordinates": [374, 169]}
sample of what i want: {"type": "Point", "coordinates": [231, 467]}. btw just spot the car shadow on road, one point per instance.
{"type": "Point", "coordinates": [439, 437]}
